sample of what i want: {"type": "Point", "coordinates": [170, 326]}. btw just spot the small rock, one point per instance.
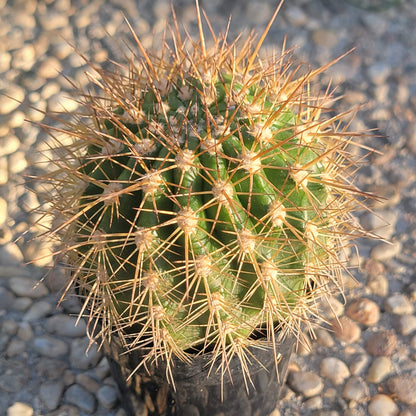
{"type": "Point", "coordinates": [51, 392]}
{"type": "Point", "coordinates": [50, 347]}
{"type": "Point", "coordinates": [81, 398]}
{"type": "Point", "coordinates": [53, 20]}
{"type": "Point", "coordinates": [404, 387]}
{"type": "Point", "coordinates": [24, 57]}
{"type": "Point", "coordinates": [50, 68]}
{"type": "Point", "coordinates": [398, 304]}
{"type": "Point", "coordinates": [10, 99]}
{"type": "Point", "coordinates": [296, 16]}
{"type": "Point", "coordinates": [386, 251]}
{"type": "Point", "coordinates": [346, 330]}
{"type": "Point", "coordinates": [10, 254]}
{"type": "Point", "coordinates": [83, 355]}
{"type": "Point", "coordinates": [324, 338]}
{"type": "Point", "coordinates": [65, 325]}
{"type": "Point", "coordinates": [364, 311]}
{"type": "Point", "coordinates": [9, 145]}
{"type": "Point", "coordinates": [102, 370]}
{"type": "Point", "coordinates": [20, 409]}
{"type": "Point", "coordinates": [50, 368]}
{"type": "Point", "coordinates": [7, 298]}
{"type": "Point", "coordinates": [107, 397]}
{"type": "Point", "coordinates": [359, 364]}
{"type": "Point", "coordinates": [37, 310]}
{"type": "Point", "coordinates": [15, 348]}
{"type": "Point", "coordinates": [355, 389]}
{"type": "Point", "coordinates": [382, 343]}
{"type": "Point", "coordinates": [378, 284]}
{"type": "Point", "coordinates": [25, 331]}
{"type": "Point", "coordinates": [382, 405]}
{"type": "Point", "coordinates": [334, 369]}
{"type": "Point", "coordinates": [87, 382]}
{"type": "Point", "coordinates": [378, 72]}
{"type": "Point", "coordinates": [325, 37]}
{"type": "Point", "coordinates": [379, 369]}
{"type": "Point", "coordinates": [331, 307]}
{"type": "Point", "coordinates": [306, 383]}
{"type": "Point", "coordinates": [27, 287]}
{"type": "Point", "coordinates": [407, 324]}
{"type": "Point", "coordinates": [3, 211]}
{"type": "Point", "coordinates": [260, 11]}
{"type": "Point", "coordinates": [374, 267]}
{"type": "Point", "coordinates": [62, 102]}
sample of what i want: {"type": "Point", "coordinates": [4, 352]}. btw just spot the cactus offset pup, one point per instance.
{"type": "Point", "coordinates": [204, 200]}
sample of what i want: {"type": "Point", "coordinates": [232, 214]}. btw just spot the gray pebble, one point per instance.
{"type": "Point", "coordinates": [306, 383]}
{"type": "Point", "coordinates": [51, 368]}
{"type": "Point", "coordinates": [15, 348]}
{"type": "Point", "coordinates": [50, 347]}
{"type": "Point", "coordinates": [355, 389]}
{"type": "Point", "coordinates": [378, 72]}
{"type": "Point", "coordinates": [22, 304]}
{"type": "Point", "coordinates": [398, 304]}
{"type": "Point", "coordinates": [25, 331]}
{"type": "Point", "coordinates": [87, 382]}
{"type": "Point", "coordinates": [102, 370]}
{"type": "Point", "coordinates": [334, 369]}
{"type": "Point", "coordinates": [37, 310]}
{"type": "Point", "coordinates": [407, 324]}
{"type": "Point", "coordinates": [7, 299]}
{"type": "Point", "coordinates": [51, 393]}
{"type": "Point", "coordinates": [65, 325]}
{"type": "Point", "coordinates": [83, 355]}
{"type": "Point", "coordinates": [27, 287]}
{"type": "Point", "coordinates": [107, 396]}
{"type": "Point", "coordinates": [81, 398]}
{"type": "Point", "coordinates": [379, 369]}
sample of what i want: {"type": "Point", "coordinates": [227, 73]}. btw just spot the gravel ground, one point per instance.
{"type": "Point", "coordinates": [368, 367]}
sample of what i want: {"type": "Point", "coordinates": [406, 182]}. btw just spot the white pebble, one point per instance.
{"type": "Point", "coordinates": [382, 405]}
{"type": "Point", "coordinates": [3, 211]}
{"type": "Point", "coordinates": [9, 145]}
{"type": "Point", "coordinates": [334, 369]}
{"type": "Point", "coordinates": [19, 409]}
{"type": "Point", "coordinates": [398, 304]}
{"type": "Point", "coordinates": [10, 99]}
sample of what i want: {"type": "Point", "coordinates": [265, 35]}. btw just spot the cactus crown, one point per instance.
{"type": "Point", "coordinates": [205, 199]}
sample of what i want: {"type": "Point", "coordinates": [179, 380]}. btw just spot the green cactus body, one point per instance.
{"type": "Point", "coordinates": [211, 200]}
{"type": "Point", "coordinates": [209, 212]}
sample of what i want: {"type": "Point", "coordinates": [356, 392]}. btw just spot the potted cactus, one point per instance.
{"type": "Point", "coordinates": [202, 203]}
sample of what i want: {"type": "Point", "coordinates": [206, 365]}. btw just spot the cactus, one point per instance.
{"type": "Point", "coordinates": [204, 199]}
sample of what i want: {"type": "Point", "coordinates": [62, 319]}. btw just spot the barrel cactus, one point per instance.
{"type": "Point", "coordinates": [203, 200]}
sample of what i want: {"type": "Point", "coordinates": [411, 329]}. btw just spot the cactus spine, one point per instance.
{"type": "Point", "coordinates": [204, 200]}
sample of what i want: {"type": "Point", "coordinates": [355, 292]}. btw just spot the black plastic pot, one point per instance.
{"type": "Point", "coordinates": [197, 392]}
